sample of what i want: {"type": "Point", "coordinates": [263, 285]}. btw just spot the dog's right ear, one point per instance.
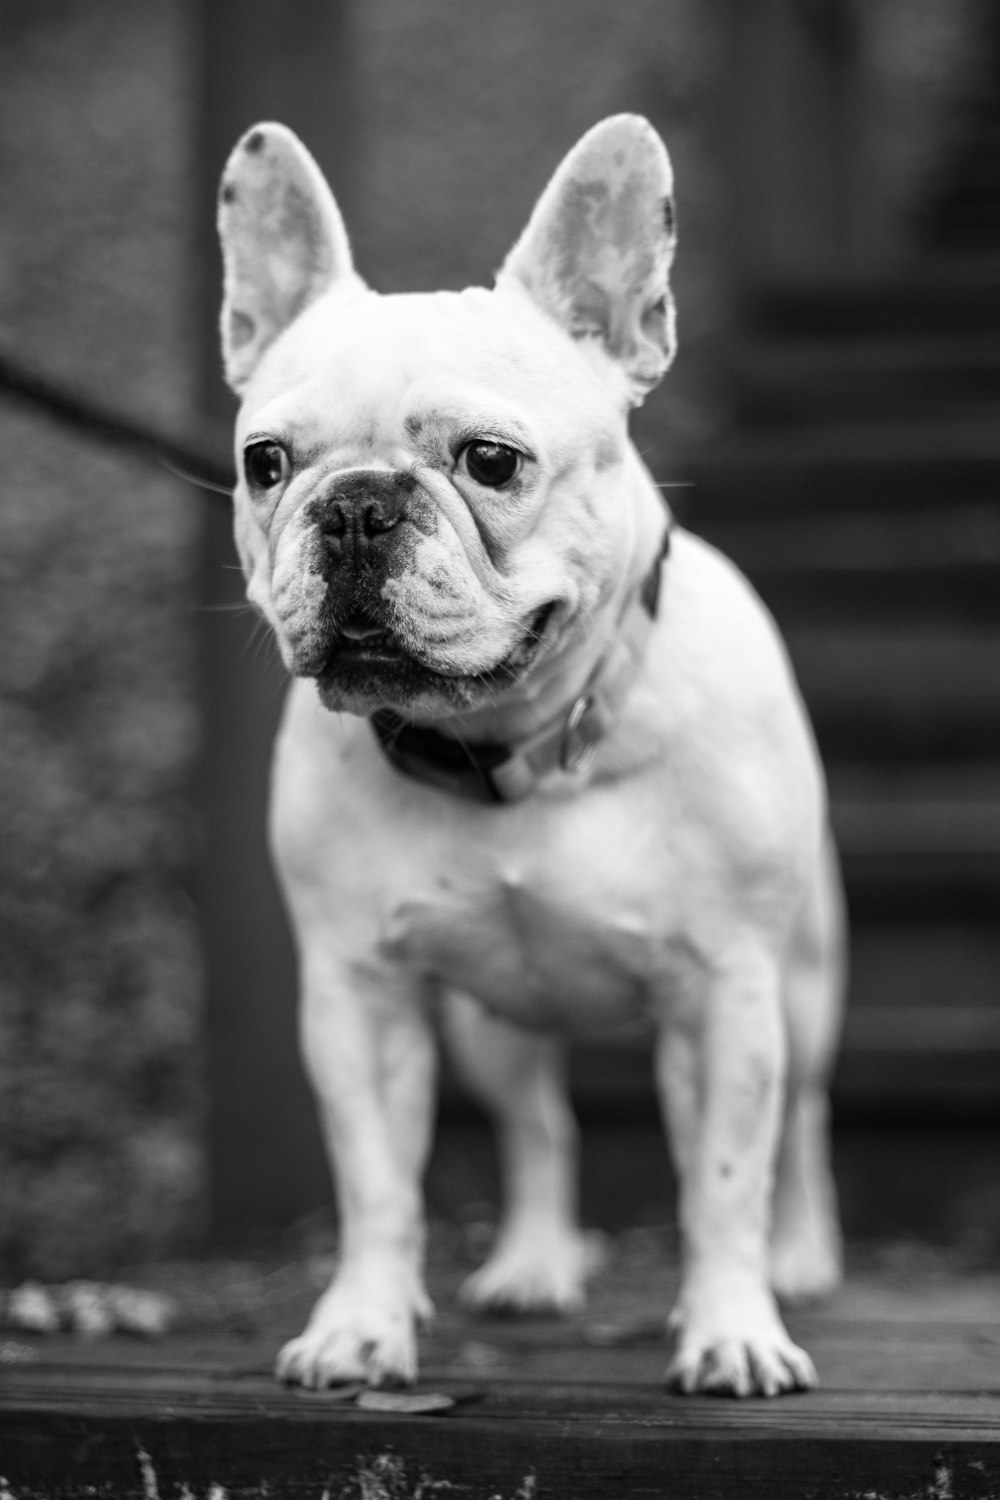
{"type": "Point", "coordinates": [283, 243]}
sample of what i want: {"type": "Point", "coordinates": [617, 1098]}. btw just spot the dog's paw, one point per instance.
{"type": "Point", "coordinates": [746, 1354]}
{"type": "Point", "coordinates": [531, 1272]}
{"type": "Point", "coordinates": [352, 1337]}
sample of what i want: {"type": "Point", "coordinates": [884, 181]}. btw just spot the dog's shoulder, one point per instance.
{"type": "Point", "coordinates": [738, 749]}
{"type": "Point", "coordinates": [715, 633]}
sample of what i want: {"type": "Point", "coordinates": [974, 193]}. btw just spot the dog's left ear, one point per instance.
{"type": "Point", "coordinates": [597, 251]}
{"type": "Point", "coordinates": [283, 243]}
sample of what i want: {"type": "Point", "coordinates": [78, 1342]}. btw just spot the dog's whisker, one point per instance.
{"type": "Point", "coordinates": [209, 485]}
{"type": "Point", "coordinates": [241, 607]}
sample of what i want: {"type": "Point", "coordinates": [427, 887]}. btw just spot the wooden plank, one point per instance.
{"type": "Point", "coordinates": [910, 1407]}
{"type": "Point", "coordinates": [379, 1458]}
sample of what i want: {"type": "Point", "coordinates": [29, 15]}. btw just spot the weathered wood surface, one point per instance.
{"type": "Point", "coordinates": [910, 1406]}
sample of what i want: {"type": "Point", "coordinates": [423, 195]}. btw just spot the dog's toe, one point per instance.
{"type": "Point", "coordinates": [757, 1360]}
{"type": "Point", "coordinates": [316, 1362]}
{"type": "Point", "coordinates": [344, 1343]}
{"type": "Point", "coordinates": [502, 1289]}
{"type": "Point", "coordinates": [535, 1274]}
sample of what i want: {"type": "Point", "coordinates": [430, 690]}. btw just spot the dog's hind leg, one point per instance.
{"type": "Point", "coordinates": [805, 1235]}
{"type": "Point", "coordinates": [540, 1259]}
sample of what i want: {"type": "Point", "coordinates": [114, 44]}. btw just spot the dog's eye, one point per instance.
{"type": "Point", "coordinates": [265, 464]}
{"type": "Point", "coordinates": [491, 464]}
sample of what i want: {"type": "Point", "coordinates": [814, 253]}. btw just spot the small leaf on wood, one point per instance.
{"type": "Point", "coordinates": [419, 1402]}
{"type": "Point", "coordinates": [342, 1393]}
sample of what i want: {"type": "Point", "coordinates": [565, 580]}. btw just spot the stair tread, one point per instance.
{"type": "Point", "coordinates": [960, 536]}
{"type": "Point", "coordinates": [803, 356]}
{"type": "Point", "coordinates": [892, 443]}
{"type": "Point", "coordinates": [946, 661]}
{"type": "Point", "coordinates": [947, 281]}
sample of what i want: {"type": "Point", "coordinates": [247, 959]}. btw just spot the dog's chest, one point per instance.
{"type": "Point", "coordinates": [542, 942]}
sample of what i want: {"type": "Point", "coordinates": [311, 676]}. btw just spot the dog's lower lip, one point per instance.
{"type": "Point", "coordinates": [381, 647]}
{"type": "Point", "coordinates": [384, 651]}
{"type": "Point", "coordinates": [531, 639]}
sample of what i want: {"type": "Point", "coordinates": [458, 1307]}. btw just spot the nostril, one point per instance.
{"type": "Point", "coordinates": [333, 521]}
{"type": "Point", "coordinates": [377, 518]}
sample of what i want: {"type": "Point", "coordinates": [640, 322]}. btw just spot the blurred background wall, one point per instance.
{"type": "Point", "coordinates": [457, 115]}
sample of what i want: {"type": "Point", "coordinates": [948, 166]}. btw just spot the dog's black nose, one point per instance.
{"type": "Point", "coordinates": [367, 520]}
{"type": "Point", "coordinates": [361, 508]}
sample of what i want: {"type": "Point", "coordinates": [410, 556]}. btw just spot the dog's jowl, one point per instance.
{"type": "Point", "coordinates": [543, 767]}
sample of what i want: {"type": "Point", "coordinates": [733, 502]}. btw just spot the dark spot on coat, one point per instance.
{"type": "Point", "coordinates": [607, 453]}
{"type": "Point", "coordinates": [228, 194]}
{"type": "Point", "coordinates": [591, 308]}
{"type": "Point", "coordinates": [413, 426]}
{"type": "Point", "coordinates": [255, 142]}
{"type": "Point", "coordinates": [725, 1169]}
{"type": "Point", "coordinates": [669, 217]}
{"type": "Point", "coordinates": [241, 328]}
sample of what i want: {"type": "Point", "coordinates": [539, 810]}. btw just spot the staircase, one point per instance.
{"type": "Point", "coordinates": [860, 491]}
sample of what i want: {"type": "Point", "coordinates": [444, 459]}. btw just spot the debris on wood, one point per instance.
{"type": "Point", "coordinates": [476, 1354]}
{"type": "Point", "coordinates": [90, 1309]}
{"type": "Point", "coordinates": [31, 1308]}
{"type": "Point", "coordinates": [626, 1333]}
{"type": "Point", "coordinates": [13, 1353]}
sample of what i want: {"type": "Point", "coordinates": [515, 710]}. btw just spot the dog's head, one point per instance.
{"type": "Point", "coordinates": [429, 502]}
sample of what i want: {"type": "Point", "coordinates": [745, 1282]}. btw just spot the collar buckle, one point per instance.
{"type": "Point", "coordinates": [581, 736]}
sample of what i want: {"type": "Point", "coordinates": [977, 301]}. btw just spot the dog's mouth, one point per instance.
{"type": "Point", "coordinates": [367, 660]}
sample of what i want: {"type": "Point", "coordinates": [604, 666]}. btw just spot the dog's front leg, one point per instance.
{"type": "Point", "coordinates": [720, 1074]}
{"type": "Point", "coordinates": [369, 1050]}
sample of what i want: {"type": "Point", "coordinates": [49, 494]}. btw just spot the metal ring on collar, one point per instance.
{"type": "Point", "coordinates": [578, 749]}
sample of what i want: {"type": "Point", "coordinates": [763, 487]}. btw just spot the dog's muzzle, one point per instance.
{"type": "Point", "coordinates": [362, 534]}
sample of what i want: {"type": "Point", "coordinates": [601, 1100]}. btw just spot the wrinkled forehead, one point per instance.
{"type": "Point", "coordinates": [471, 358]}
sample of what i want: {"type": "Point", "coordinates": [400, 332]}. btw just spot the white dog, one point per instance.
{"type": "Point", "coordinates": [543, 769]}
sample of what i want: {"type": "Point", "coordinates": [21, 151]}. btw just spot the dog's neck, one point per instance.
{"type": "Point", "coordinates": [500, 754]}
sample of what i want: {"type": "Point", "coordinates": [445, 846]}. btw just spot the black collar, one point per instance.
{"type": "Point", "coordinates": [489, 772]}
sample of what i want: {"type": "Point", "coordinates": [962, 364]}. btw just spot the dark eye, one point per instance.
{"type": "Point", "coordinates": [265, 464]}
{"type": "Point", "coordinates": [492, 464]}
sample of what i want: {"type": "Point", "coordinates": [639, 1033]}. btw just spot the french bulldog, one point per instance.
{"type": "Point", "coordinates": [543, 769]}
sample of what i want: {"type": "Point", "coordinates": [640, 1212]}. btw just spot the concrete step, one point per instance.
{"type": "Point", "coordinates": [919, 841]}
{"type": "Point", "coordinates": [895, 695]}
{"type": "Point", "coordinates": [944, 293]}
{"type": "Point", "coordinates": [816, 468]}
{"type": "Point", "coordinates": [868, 380]}
{"type": "Point", "coordinates": [938, 563]}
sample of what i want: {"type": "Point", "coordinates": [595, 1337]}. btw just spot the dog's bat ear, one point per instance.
{"type": "Point", "coordinates": [597, 251]}
{"type": "Point", "coordinates": [283, 243]}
